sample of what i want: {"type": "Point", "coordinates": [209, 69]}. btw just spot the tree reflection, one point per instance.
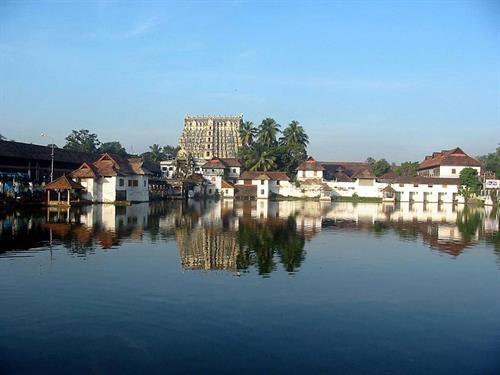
{"type": "Point", "coordinates": [262, 241]}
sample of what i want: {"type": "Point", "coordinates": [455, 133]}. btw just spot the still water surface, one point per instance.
{"type": "Point", "coordinates": [266, 287]}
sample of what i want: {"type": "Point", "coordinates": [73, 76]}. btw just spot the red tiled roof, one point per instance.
{"type": "Point", "coordinates": [264, 175]}
{"type": "Point", "coordinates": [111, 165]}
{"type": "Point", "coordinates": [222, 163]}
{"type": "Point", "coordinates": [365, 173]}
{"type": "Point", "coordinates": [348, 168]}
{"type": "Point", "coordinates": [215, 163]}
{"type": "Point", "coordinates": [227, 185]}
{"type": "Point", "coordinates": [310, 165]}
{"type": "Point", "coordinates": [63, 183]}
{"type": "Point", "coordinates": [454, 157]}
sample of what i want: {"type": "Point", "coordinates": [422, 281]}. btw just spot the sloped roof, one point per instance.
{"type": "Point", "coordinates": [196, 177]}
{"type": "Point", "coordinates": [365, 173]}
{"type": "Point", "coordinates": [30, 151]}
{"type": "Point", "coordinates": [214, 163]}
{"type": "Point", "coordinates": [310, 165]}
{"type": "Point", "coordinates": [227, 185]}
{"type": "Point", "coordinates": [264, 175]}
{"type": "Point", "coordinates": [342, 177]}
{"type": "Point", "coordinates": [454, 157]}
{"type": "Point", "coordinates": [222, 163]}
{"type": "Point", "coordinates": [111, 165]}
{"type": "Point", "coordinates": [231, 162]}
{"type": "Point", "coordinates": [348, 168]}
{"type": "Point", "coordinates": [63, 183]}
{"type": "Point", "coordinates": [389, 189]}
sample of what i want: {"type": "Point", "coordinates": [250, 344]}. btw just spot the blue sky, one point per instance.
{"type": "Point", "coordinates": [393, 79]}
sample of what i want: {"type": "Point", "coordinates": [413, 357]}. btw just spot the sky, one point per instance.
{"type": "Point", "coordinates": [386, 79]}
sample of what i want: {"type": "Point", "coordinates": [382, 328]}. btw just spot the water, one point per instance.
{"type": "Point", "coordinates": [267, 287]}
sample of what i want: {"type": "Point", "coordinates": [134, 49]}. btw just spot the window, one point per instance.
{"type": "Point", "coordinates": [453, 171]}
{"type": "Point", "coordinates": [401, 185]}
{"type": "Point", "coordinates": [415, 185]}
{"type": "Point", "coordinates": [430, 185]}
{"type": "Point", "coordinates": [208, 153]}
{"type": "Point", "coordinates": [145, 183]}
{"type": "Point", "coordinates": [121, 182]}
{"type": "Point", "coordinates": [234, 170]}
{"type": "Point", "coordinates": [210, 139]}
{"type": "Point", "coordinates": [262, 192]}
{"type": "Point", "coordinates": [277, 182]}
{"type": "Point", "coordinates": [209, 191]}
{"type": "Point", "coordinates": [226, 191]}
{"type": "Point", "coordinates": [163, 168]}
{"type": "Point", "coordinates": [129, 183]}
{"type": "Point", "coordinates": [170, 168]}
{"type": "Point", "coordinates": [262, 182]}
{"type": "Point", "coordinates": [135, 183]}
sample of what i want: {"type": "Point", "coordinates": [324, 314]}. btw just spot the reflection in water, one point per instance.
{"type": "Point", "coordinates": [240, 236]}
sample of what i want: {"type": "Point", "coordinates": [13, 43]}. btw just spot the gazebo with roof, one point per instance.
{"type": "Point", "coordinates": [64, 187]}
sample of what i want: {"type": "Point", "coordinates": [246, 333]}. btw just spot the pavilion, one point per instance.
{"type": "Point", "coordinates": [64, 187]}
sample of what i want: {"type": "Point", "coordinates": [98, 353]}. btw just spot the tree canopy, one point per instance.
{"type": "Point", "coordinates": [470, 183]}
{"type": "Point", "coordinates": [82, 140]}
{"type": "Point", "coordinates": [158, 153]}
{"type": "Point", "coordinates": [408, 168]}
{"type": "Point", "coordinates": [491, 162]}
{"type": "Point", "coordinates": [263, 150]}
{"type": "Point", "coordinates": [112, 147]}
{"type": "Point", "coordinates": [380, 167]}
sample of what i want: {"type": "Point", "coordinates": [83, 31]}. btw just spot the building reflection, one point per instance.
{"type": "Point", "coordinates": [243, 235]}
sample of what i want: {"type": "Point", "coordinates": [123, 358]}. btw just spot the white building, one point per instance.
{"type": "Point", "coordinates": [447, 164]}
{"type": "Point", "coordinates": [113, 178]}
{"type": "Point", "coordinates": [261, 184]}
{"type": "Point", "coordinates": [219, 172]}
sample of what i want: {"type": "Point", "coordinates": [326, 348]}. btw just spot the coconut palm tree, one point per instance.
{"type": "Point", "coordinates": [156, 152]}
{"type": "Point", "coordinates": [247, 133]}
{"type": "Point", "coordinates": [294, 134]}
{"type": "Point", "coordinates": [268, 130]}
{"type": "Point", "coordinates": [265, 161]}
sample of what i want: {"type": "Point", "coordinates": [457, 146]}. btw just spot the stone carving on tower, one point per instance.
{"type": "Point", "coordinates": [207, 137]}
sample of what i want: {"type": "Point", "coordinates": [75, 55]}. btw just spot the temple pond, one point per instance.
{"type": "Point", "coordinates": [250, 287]}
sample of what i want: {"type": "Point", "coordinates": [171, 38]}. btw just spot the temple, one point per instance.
{"type": "Point", "coordinates": [207, 137]}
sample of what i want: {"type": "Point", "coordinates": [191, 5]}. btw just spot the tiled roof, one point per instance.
{"type": "Point", "coordinates": [346, 167]}
{"type": "Point", "coordinates": [111, 165]}
{"type": "Point", "coordinates": [227, 185]}
{"type": "Point", "coordinates": [221, 163]}
{"type": "Point", "coordinates": [215, 163]}
{"type": "Point", "coordinates": [231, 162]}
{"type": "Point", "coordinates": [63, 183]}
{"type": "Point", "coordinates": [422, 180]}
{"type": "Point", "coordinates": [264, 175]}
{"type": "Point", "coordinates": [310, 165]}
{"type": "Point", "coordinates": [365, 173]}
{"type": "Point", "coordinates": [389, 189]}
{"type": "Point", "coordinates": [42, 153]}
{"type": "Point", "coordinates": [454, 157]}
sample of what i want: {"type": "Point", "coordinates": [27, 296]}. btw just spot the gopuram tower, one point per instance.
{"type": "Point", "coordinates": [207, 137]}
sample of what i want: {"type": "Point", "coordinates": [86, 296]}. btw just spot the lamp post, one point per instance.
{"type": "Point", "coordinates": [51, 156]}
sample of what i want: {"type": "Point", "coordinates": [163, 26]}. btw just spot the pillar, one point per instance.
{"type": "Point", "coordinates": [48, 196]}
{"type": "Point", "coordinates": [69, 197]}
{"type": "Point", "coordinates": [59, 197]}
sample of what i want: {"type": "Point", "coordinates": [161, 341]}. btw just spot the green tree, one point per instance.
{"type": "Point", "coordinates": [491, 162]}
{"type": "Point", "coordinates": [156, 152]}
{"type": "Point", "coordinates": [82, 140]}
{"type": "Point", "coordinates": [262, 159]}
{"type": "Point", "coordinates": [247, 133]}
{"type": "Point", "coordinates": [370, 160]}
{"type": "Point", "coordinates": [112, 147]}
{"type": "Point", "coordinates": [380, 167]}
{"type": "Point", "coordinates": [470, 184]}
{"type": "Point", "coordinates": [170, 152]}
{"type": "Point", "coordinates": [268, 131]}
{"type": "Point", "coordinates": [408, 168]}
{"type": "Point", "coordinates": [294, 134]}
